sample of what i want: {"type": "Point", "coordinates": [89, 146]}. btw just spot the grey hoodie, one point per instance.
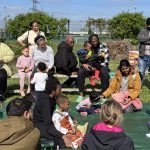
{"type": "Point", "coordinates": [144, 39]}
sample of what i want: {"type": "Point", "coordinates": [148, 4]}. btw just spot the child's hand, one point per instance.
{"type": "Point", "coordinates": [75, 122]}
{"type": "Point", "coordinates": [73, 130]}
{"type": "Point", "coordinates": [126, 101]}
{"type": "Point", "coordinates": [24, 67]}
{"type": "Point", "coordinates": [87, 57]}
{"type": "Point", "coordinates": [27, 70]}
{"type": "Point", "coordinates": [87, 106]}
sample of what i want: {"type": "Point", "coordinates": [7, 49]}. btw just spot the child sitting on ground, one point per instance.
{"type": "Point", "coordinates": [108, 134]}
{"type": "Point", "coordinates": [64, 123]}
{"type": "Point", "coordinates": [86, 57]}
{"type": "Point", "coordinates": [39, 78]}
{"type": "Point", "coordinates": [91, 104]}
{"type": "Point", "coordinates": [25, 66]}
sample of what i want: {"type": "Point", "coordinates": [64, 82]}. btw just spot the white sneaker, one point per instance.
{"type": "Point", "coordinates": [148, 135]}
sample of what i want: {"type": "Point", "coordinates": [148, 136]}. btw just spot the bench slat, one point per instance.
{"type": "Point", "coordinates": [17, 91]}
{"type": "Point", "coordinates": [64, 76]}
{"type": "Point", "coordinates": [16, 75]}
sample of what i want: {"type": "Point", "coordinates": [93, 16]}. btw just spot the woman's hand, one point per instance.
{"type": "Point", "coordinates": [126, 101]}
{"type": "Point", "coordinates": [88, 67]}
{"type": "Point", "coordinates": [87, 57]}
{"type": "Point", "coordinates": [102, 96]}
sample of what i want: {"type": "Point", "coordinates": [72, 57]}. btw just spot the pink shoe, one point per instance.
{"type": "Point", "coordinates": [92, 82]}
{"type": "Point", "coordinates": [98, 110]}
{"type": "Point", "coordinates": [96, 75]}
{"type": "Point", "coordinates": [84, 114]}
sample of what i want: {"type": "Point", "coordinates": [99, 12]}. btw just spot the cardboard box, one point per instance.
{"type": "Point", "coordinates": [133, 57]}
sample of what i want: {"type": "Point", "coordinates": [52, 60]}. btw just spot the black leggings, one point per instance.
{"type": "Point", "coordinates": [3, 81]}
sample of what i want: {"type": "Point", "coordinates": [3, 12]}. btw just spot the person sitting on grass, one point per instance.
{"type": "Point", "coordinates": [90, 105]}
{"type": "Point", "coordinates": [17, 131]}
{"type": "Point", "coordinates": [25, 65]}
{"type": "Point", "coordinates": [108, 134]}
{"type": "Point", "coordinates": [65, 124]}
{"type": "Point", "coordinates": [125, 87]}
{"type": "Point", "coordinates": [42, 115]}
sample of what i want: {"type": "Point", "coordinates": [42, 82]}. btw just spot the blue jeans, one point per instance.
{"type": "Point", "coordinates": [143, 63]}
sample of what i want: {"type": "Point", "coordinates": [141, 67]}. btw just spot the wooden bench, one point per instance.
{"type": "Point", "coordinates": [69, 90]}
{"type": "Point", "coordinates": [15, 76]}
{"type": "Point", "coordinates": [17, 91]}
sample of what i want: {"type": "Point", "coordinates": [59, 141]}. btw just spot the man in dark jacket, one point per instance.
{"type": "Point", "coordinates": [65, 59]}
{"type": "Point", "coordinates": [42, 115]}
{"type": "Point", "coordinates": [144, 49]}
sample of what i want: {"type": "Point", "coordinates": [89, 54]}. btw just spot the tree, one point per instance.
{"type": "Point", "coordinates": [126, 25]}
{"type": "Point", "coordinates": [96, 25]}
{"type": "Point", "coordinates": [48, 24]}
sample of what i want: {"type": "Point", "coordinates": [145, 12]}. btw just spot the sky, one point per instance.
{"type": "Point", "coordinates": [75, 9]}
